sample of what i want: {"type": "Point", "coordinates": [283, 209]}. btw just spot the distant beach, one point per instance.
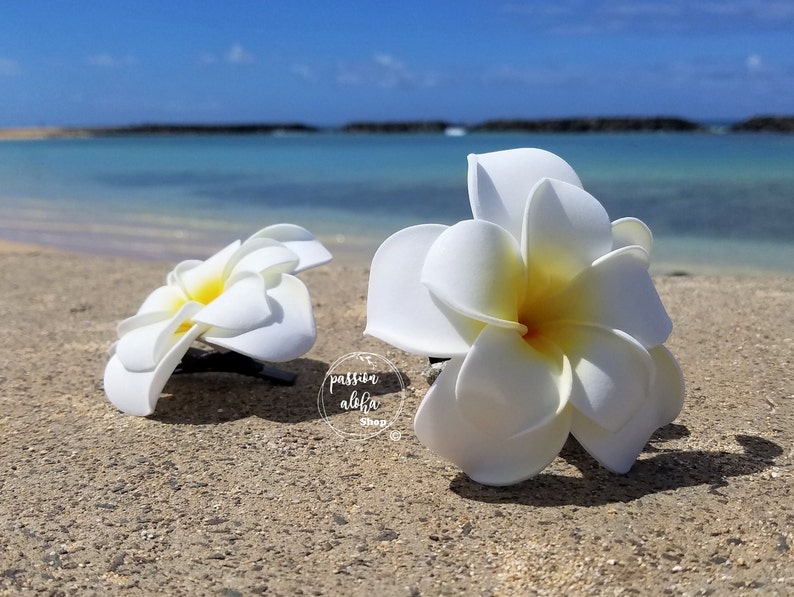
{"type": "Point", "coordinates": [33, 133]}
{"type": "Point", "coordinates": [610, 124]}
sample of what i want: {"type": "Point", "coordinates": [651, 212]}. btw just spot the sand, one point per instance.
{"type": "Point", "coordinates": [31, 133]}
{"type": "Point", "coordinates": [238, 487]}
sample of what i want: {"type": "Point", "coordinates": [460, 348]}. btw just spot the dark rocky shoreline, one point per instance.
{"type": "Point", "coordinates": [591, 125]}
{"type": "Point", "coordinates": [204, 129]}
{"type": "Point", "coordinates": [416, 126]}
{"type": "Point", "coordinates": [756, 124]}
{"type": "Point", "coordinates": [765, 124]}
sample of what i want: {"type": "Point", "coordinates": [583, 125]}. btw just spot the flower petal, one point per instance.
{"type": "Point", "coordinates": [565, 230]}
{"type": "Point", "coordinates": [440, 426]}
{"type": "Point", "coordinates": [507, 386]}
{"type": "Point", "coordinates": [300, 241]}
{"type": "Point", "coordinates": [500, 182]}
{"type": "Point", "coordinates": [166, 298]}
{"type": "Point", "coordinates": [259, 255]}
{"type": "Point", "coordinates": [142, 319]}
{"type": "Point", "coordinates": [171, 278]}
{"type": "Point", "coordinates": [142, 348]}
{"type": "Point", "coordinates": [617, 451]}
{"type": "Point", "coordinates": [137, 392]}
{"type": "Point", "coordinates": [475, 268]}
{"type": "Point", "coordinates": [627, 232]}
{"type": "Point", "coordinates": [667, 391]}
{"type": "Point", "coordinates": [611, 372]}
{"type": "Point", "coordinates": [203, 282]}
{"type": "Point", "coordinates": [616, 292]}
{"type": "Point", "coordinates": [242, 307]}
{"type": "Point", "coordinates": [287, 334]}
{"type": "Point", "coordinates": [401, 310]}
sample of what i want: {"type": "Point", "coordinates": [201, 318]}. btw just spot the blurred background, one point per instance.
{"type": "Point", "coordinates": [317, 84]}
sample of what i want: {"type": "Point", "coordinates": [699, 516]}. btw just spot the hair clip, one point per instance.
{"type": "Point", "coordinates": [244, 299]}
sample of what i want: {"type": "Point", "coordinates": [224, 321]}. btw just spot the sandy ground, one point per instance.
{"type": "Point", "coordinates": [29, 133]}
{"type": "Point", "coordinates": [238, 487]}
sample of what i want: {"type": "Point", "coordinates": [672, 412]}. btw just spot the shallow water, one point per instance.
{"type": "Point", "coordinates": [712, 201]}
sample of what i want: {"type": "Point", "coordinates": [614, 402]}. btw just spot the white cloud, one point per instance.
{"type": "Point", "coordinates": [237, 54]}
{"type": "Point", "coordinates": [391, 72]}
{"type": "Point", "coordinates": [102, 60]}
{"type": "Point", "coordinates": [754, 10]}
{"type": "Point", "coordinates": [8, 67]}
{"type": "Point", "coordinates": [304, 71]}
{"type": "Point", "coordinates": [105, 60]}
{"type": "Point", "coordinates": [581, 16]}
{"type": "Point", "coordinates": [754, 64]}
{"type": "Point", "coordinates": [676, 75]}
{"type": "Point", "coordinates": [531, 77]}
{"type": "Point", "coordinates": [384, 70]}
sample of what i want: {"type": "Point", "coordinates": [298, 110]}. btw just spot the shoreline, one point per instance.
{"type": "Point", "coordinates": [359, 255]}
{"type": "Point", "coordinates": [589, 124]}
{"type": "Point", "coordinates": [359, 252]}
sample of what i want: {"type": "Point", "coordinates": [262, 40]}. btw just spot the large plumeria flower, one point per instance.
{"type": "Point", "coordinates": [547, 313]}
{"type": "Point", "coordinates": [244, 298]}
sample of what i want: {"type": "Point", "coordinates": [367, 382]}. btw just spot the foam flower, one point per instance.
{"type": "Point", "coordinates": [244, 298]}
{"type": "Point", "coordinates": [548, 315]}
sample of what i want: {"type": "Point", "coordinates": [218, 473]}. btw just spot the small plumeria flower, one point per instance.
{"type": "Point", "coordinates": [547, 313]}
{"type": "Point", "coordinates": [244, 298]}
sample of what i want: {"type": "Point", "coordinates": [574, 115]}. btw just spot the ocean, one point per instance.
{"type": "Point", "coordinates": [715, 202]}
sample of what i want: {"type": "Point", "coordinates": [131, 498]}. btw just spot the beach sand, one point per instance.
{"type": "Point", "coordinates": [31, 133]}
{"type": "Point", "coordinates": [238, 487]}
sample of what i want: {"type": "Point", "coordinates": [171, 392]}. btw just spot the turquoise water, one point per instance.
{"type": "Point", "coordinates": [712, 201]}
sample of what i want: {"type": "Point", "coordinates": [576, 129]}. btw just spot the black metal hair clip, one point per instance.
{"type": "Point", "coordinates": [205, 361]}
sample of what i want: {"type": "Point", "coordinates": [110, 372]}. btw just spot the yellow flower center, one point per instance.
{"type": "Point", "coordinates": [533, 315]}
{"type": "Point", "coordinates": [207, 292]}
{"type": "Point", "coordinates": [535, 338]}
{"type": "Point", "coordinates": [532, 332]}
{"type": "Point", "coordinates": [204, 291]}
{"type": "Point", "coordinates": [184, 327]}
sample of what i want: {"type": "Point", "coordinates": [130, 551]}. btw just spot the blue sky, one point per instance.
{"type": "Point", "coordinates": [111, 62]}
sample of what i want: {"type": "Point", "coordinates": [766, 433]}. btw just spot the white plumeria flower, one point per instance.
{"type": "Point", "coordinates": [549, 317]}
{"type": "Point", "coordinates": [244, 299]}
